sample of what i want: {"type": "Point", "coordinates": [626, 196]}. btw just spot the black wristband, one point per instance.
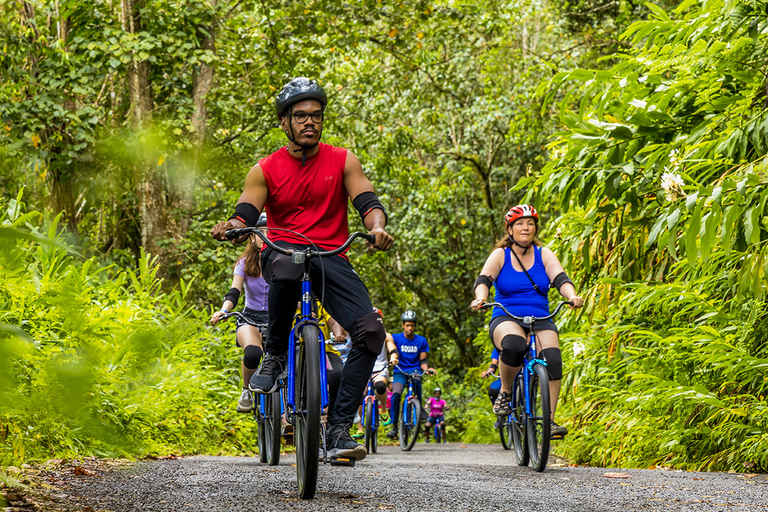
{"type": "Point", "coordinates": [493, 367]}
{"type": "Point", "coordinates": [390, 352]}
{"type": "Point", "coordinates": [366, 202]}
{"type": "Point", "coordinates": [246, 213]}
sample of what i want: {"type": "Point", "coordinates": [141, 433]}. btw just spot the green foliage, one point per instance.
{"type": "Point", "coordinates": [660, 177]}
{"type": "Point", "coordinates": [98, 360]}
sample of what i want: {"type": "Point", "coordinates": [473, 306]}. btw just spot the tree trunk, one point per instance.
{"type": "Point", "coordinates": [149, 188]}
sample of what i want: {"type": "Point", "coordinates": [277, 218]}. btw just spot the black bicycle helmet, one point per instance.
{"type": "Point", "coordinates": [296, 90]}
{"type": "Point", "coordinates": [408, 316]}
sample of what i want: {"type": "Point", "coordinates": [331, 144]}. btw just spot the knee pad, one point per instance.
{"type": "Point", "coordinates": [513, 349]}
{"type": "Point", "coordinates": [380, 386]}
{"type": "Point", "coordinates": [252, 356]}
{"type": "Point", "coordinates": [554, 362]}
{"type": "Point", "coordinates": [368, 332]}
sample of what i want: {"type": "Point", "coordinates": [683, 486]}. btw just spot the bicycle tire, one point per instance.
{"type": "Point", "coordinates": [410, 423]}
{"type": "Point", "coordinates": [438, 433]}
{"type": "Point", "coordinates": [505, 432]}
{"type": "Point", "coordinates": [375, 427]}
{"type": "Point", "coordinates": [368, 427]}
{"type": "Point", "coordinates": [261, 429]}
{"type": "Point", "coordinates": [272, 425]}
{"type": "Point", "coordinates": [307, 402]}
{"type": "Point", "coordinates": [540, 423]}
{"type": "Point", "coordinates": [517, 424]}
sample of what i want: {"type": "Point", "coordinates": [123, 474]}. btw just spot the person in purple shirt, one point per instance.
{"type": "Point", "coordinates": [247, 276]}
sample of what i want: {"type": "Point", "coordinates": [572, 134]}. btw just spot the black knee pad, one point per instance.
{"type": "Point", "coordinates": [513, 349]}
{"type": "Point", "coordinates": [252, 356]}
{"type": "Point", "coordinates": [554, 362]}
{"type": "Point", "coordinates": [368, 332]}
{"type": "Point", "coordinates": [380, 386]}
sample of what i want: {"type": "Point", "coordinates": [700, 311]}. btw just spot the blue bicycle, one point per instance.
{"type": "Point", "coordinates": [306, 381]}
{"type": "Point", "coordinates": [267, 412]}
{"type": "Point", "coordinates": [410, 415]}
{"type": "Point", "coordinates": [530, 420]}
{"type": "Point", "coordinates": [371, 418]}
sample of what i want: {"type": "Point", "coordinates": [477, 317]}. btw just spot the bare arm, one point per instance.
{"type": "Point", "coordinates": [553, 268]}
{"type": "Point", "coordinates": [355, 182]}
{"type": "Point", "coordinates": [393, 356]}
{"type": "Point", "coordinates": [254, 192]}
{"type": "Point", "coordinates": [492, 269]}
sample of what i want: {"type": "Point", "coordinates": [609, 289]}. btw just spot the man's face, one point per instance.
{"type": "Point", "coordinates": [409, 328]}
{"type": "Point", "coordinates": [307, 131]}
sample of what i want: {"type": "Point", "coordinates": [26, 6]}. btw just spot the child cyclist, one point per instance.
{"type": "Point", "coordinates": [436, 407]}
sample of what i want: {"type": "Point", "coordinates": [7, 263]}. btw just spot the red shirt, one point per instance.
{"type": "Point", "coordinates": [311, 199]}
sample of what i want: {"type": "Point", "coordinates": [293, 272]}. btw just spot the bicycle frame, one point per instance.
{"type": "Point", "coordinates": [529, 362]}
{"type": "Point", "coordinates": [305, 319]}
{"type": "Point", "coordinates": [370, 400]}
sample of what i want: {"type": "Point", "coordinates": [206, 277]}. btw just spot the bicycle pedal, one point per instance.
{"type": "Point", "coordinates": [556, 437]}
{"type": "Point", "coordinates": [342, 461]}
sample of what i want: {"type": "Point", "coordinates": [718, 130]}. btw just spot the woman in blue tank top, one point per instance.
{"type": "Point", "coordinates": [521, 271]}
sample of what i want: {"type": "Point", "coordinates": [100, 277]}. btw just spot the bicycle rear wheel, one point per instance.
{"type": "Point", "coordinates": [410, 423]}
{"type": "Point", "coordinates": [505, 432]}
{"type": "Point", "coordinates": [369, 434]}
{"type": "Point", "coordinates": [307, 403]}
{"type": "Point", "coordinates": [517, 423]}
{"type": "Point", "coordinates": [540, 423]}
{"type": "Point", "coordinates": [262, 428]}
{"type": "Point", "coordinates": [272, 426]}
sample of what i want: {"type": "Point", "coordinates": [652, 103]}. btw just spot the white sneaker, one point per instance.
{"type": "Point", "coordinates": [245, 404]}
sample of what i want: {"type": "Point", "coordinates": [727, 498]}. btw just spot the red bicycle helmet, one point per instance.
{"type": "Point", "coordinates": [521, 211]}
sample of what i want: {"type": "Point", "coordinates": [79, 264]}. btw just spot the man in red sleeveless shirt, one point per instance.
{"type": "Point", "coordinates": [305, 187]}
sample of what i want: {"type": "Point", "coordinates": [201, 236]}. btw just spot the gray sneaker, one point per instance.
{"type": "Point", "coordinates": [271, 370]}
{"type": "Point", "coordinates": [245, 404]}
{"type": "Point", "coordinates": [341, 444]}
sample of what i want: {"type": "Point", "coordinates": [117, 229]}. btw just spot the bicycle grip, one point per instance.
{"type": "Point", "coordinates": [371, 238]}
{"type": "Point", "coordinates": [231, 234]}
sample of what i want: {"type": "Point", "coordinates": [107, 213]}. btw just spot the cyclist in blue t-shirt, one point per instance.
{"type": "Point", "coordinates": [412, 350]}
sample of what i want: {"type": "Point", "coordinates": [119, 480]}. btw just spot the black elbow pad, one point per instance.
{"type": "Point", "coordinates": [366, 202]}
{"type": "Point", "coordinates": [560, 279]}
{"type": "Point", "coordinates": [233, 295]}
{"type": "Point", "coordinates": [483, 280]}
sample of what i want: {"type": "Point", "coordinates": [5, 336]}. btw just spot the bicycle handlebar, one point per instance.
{"type": "Point", "coordinates": [417, 373]}
{"type": "Point", "coordinates": [240, 316]}
{"type": "Point", "coordinates": [237, 233]}
{"type": "Point", "coordinates": [523, 319]}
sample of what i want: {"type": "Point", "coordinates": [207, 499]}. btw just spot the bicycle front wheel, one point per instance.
{"type": "Point", "coordinates": [505, 432]}
{"type": "Point", "coordinates": [261, 424]}
{"type": "Point", "coordinates": [540, 423]}
{"type": "Point", "coordinates": [369, 433]}
{"type": "Point", "coordinates": [375, 427]}
{"type": "Point", "coordinates": [410, 423]}
{"type": "Point", "coordinates": [307, 402]}
{"type": "Point", "coordinates": [517, 423]}
{"type": "Point", "coordinates": [272, 426]}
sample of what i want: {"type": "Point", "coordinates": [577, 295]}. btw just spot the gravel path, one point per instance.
{"type": "Point", "coordinates": [431, 477]}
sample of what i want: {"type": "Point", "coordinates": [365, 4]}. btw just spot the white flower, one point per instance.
{"type": "Point", "coordinates": [578, 348]}
{"type": "Point", "coordinates": [672, 184]}
{"type": "Point", "coordinates": [675, 160]}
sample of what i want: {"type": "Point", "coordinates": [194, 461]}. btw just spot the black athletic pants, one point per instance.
{"type": "Point", "coordinates": [345, 297]}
